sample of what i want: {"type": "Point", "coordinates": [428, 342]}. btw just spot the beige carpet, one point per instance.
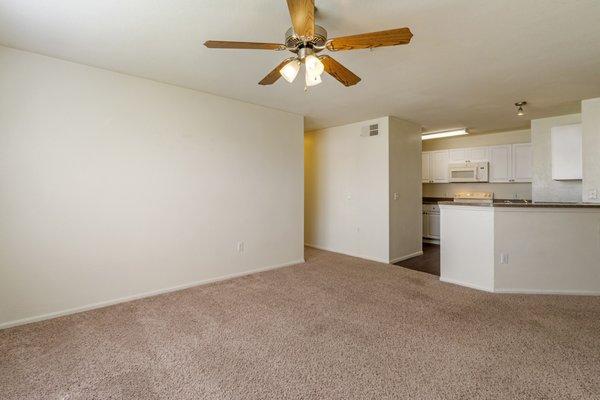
{"type": "Point", "coordinates": [336, 327]}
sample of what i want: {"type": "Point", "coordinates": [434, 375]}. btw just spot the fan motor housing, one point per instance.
{"type": "Point", "coordinates": [294, 43]}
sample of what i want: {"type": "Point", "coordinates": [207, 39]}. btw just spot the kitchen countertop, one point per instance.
{"type": "Point", "coordinates": [521, 204]}
{"type": "Point", "coordinates": [435, 200]}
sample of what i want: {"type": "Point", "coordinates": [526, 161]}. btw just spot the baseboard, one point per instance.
{"type": "Point", "coordinates": [465, 284]}
{"type": "Point", "coordinates": [549, 292]}
{"type": "Point", "coordinates": [107, 303]}
{"type": "Point", "coordinates": [314, 246]}
{"type": "Point", "coordinates": [406, 257]}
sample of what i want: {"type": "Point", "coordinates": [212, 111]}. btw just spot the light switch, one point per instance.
{"type": "Point", "coordinates": [503, 258]}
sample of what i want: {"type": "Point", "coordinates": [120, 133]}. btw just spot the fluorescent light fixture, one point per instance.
{"type": "Point", "coordinates": [438, 135]}
{"type": "Point", "coordinates": [290, 70]}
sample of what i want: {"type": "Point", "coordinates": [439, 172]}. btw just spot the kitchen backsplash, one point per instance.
{"type": "Point", "coordinates": [500, 190]}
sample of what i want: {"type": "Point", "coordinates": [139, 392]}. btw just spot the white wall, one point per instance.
{"type": "Point", "coordinates": [406, 219]}
{"type": "Point", "coordinates": [467, 246]}
{"type": "Point", "coordinates": [115, 186]}
{"type": "Point", "coordinates": [590, 116]}
{"type": "Point", "coordinates": [500, 190]}
{"type": "Point", "coordinates": [550, 250]}
{"type": "Point", "coordinates": [544, 188]}
{"type": "Point", "coordinates": [347, 188]}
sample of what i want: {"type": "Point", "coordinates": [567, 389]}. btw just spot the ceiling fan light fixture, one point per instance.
{"type": "Point", "coordinates": [306, 39]}
{"type": "Point", "coordinates": [290, 70]}
{"type": "Point", "coordinates": [312, 78]}
{"type": "Point", "coordinates": [313, 64]}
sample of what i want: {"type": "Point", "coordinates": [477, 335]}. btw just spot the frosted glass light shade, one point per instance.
{"type": "Point", "coordinates": [312, 79]}
{"type": "Point", "coordinates": [290, 70]}
{"type": "Point", "coordinates": [314, 65]}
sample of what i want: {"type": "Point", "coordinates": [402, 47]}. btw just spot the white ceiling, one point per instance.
{"type": "Point", "coordinates": [468, 62]}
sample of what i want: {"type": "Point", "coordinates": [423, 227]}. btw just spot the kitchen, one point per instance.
{"type": "Point", "coordinates": [533, 226]}
{"type": "Point", "coordinates": [506, 159]}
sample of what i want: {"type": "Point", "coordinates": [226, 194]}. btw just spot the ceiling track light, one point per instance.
{"type": "Point", "coordinates": [443, 134]}
{"type": "Point", "coordinates": [520, 105]}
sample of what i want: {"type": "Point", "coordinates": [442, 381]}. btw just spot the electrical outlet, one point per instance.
{"type": "Point", "coordinates": [396, 196]}
{"type": "Point", "coordinates": [593, 194]}
{"type": "Point", "coordinates": [240, 247]}
{"type": "Point", "coordinates": [503, 258]}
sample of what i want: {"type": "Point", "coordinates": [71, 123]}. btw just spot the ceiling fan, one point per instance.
{"type": "Point", "coordinates": [306, 40]}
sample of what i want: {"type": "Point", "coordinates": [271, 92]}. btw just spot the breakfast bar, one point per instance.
{"type": "Point", "coordinates": [521, 247]}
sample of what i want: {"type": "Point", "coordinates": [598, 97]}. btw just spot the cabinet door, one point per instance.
{"type": "Point", "coordinates": [565, 147]}
{"type": "Point", "coordinates": [439, 166]}
{"type": "Point", "coordinates": [425, 167]}
{"type": "Point", "coordinates": [501, 163]}
{"type": "Point", "coordinates": [477, 154]}
{"type": "Point", "coordinates": [521, 162]}
{"type": "Point", "coordinates": [425, 225]}
{"type": "Point", "coordinates": [434, 225]}
{"type": "Point", "coordinates": [457, 155]}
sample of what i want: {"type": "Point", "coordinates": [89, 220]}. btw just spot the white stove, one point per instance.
{"type": "Point", "coordinates": [474, 197]}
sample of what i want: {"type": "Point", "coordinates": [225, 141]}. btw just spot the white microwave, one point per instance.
{"type": "Point", "coordinates": [468, 172]}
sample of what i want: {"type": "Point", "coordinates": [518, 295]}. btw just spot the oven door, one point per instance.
{"type": "Point", "coordinates": [466, 174]}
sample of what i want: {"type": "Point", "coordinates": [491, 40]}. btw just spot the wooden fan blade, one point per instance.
{"type": "Point", "coordinates": [392, 37]}
{"type": "Point", "coordinates": [272, 76]}
{"type": "Point", "coordinates": [303, 17]}
{"type": "Point", "coordinates": [220, 44]}
{"type": "Point", "coordinates": [339, 72]}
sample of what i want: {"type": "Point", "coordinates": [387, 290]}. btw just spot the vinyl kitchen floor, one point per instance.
{"type": "Point", "coordinates": [429, 262]}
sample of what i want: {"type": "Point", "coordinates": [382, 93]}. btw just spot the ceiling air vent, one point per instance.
{"type": "Point", "coordinates": [371, 130]}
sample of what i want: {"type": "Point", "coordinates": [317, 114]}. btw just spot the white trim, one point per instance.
{"type": "Point", "coordinates": [524, 291]}
{"type": "Point", "coordinates": [549, 291]}
{"type": "Point", "coordinates": [347, 254]}
{"type": "Point", "coordinates": [547, 209]}
{"type": "Point", "coordinates": [431, 241]}
{"type": "Point", "coordinates": [469, 285]}
{"type": "Point", "coordinates": [406, 257]}
{"type": "Point", "coordinates": [106, 303]}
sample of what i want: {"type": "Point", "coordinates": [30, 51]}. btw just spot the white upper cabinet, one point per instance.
{"type": "Point", "coordinates": [501, 163]}
{"type": "Point", "coordinates": [470, 154]}
{"type": "Point", "coordinates": [522, 162]}
{"type": "Point", "coordinates": [478, 154]}
{"type": "Point", "coordinates": [457, 155]}
{"type": "Point", "coordinates": [508, 162]}
{"type": "Point", "coordinates": [439, 166]}
{"type": "Point", "coordinates": [425, 167]}
{"type": "Point", "coordinates": [434, 166]}
{"type": "Point", "coordinates": [566, 147]}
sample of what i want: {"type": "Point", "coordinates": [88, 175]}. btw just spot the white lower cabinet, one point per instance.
{"type": "Point", "coordinates": [434, 225]}
{"type": "Point", "coordinates": [431, 221]}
